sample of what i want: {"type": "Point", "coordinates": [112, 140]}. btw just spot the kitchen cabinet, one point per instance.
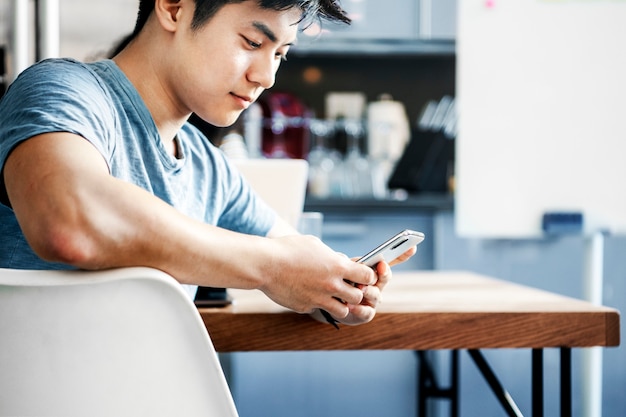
{"type": "Point", "coordinates": [401, 27]}
{"type": "Point", "coordinates": [440, 21]}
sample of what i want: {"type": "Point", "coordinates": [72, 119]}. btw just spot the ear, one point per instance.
{"type": "Point", "coordinates": [168, 13]}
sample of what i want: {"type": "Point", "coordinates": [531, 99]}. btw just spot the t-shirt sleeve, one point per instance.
{"type": "Point", "coordinates": [245, 211]}
{"type": "Point", "coordinates": [55, 96]}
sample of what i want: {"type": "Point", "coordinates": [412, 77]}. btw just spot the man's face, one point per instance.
{"type": "Point", "coordinates": [221, 68]}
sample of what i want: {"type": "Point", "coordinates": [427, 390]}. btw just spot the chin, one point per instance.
{"type": "Point", "coordinates": [223, 121]}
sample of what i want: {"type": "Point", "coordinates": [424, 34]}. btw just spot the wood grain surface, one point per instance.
{"type": "Point", "coordinates": [422, 311]}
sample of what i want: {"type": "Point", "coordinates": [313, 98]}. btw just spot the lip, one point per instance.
{"type": "Point", "coordinates": [244, 101]}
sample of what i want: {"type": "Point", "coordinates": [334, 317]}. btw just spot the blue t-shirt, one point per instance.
{"type": "Point", "coordinates": [98, 102]}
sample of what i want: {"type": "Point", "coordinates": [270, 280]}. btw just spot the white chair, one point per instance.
{"type": "Point", "coordinates": [124, 342]}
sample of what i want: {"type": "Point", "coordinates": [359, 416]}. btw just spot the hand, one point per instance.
{"type": "Point", "coordinates": [365, 311]}
{"type": "Point", "coordinates": [305, 275]}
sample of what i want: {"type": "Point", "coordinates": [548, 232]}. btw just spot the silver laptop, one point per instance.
{"type": "Point", "coordinates": [280, 182]}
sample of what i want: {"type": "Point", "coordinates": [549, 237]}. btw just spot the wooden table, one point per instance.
{"type": "Point", "coordinates": [427, 311]}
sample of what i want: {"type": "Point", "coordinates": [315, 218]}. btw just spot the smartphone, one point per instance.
{"type": "Point", "coordinates": [392, 248]}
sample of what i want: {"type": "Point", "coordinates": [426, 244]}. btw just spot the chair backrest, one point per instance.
{"type": "Point", "coordinates": [124, 342]}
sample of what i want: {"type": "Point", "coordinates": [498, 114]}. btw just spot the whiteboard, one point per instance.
{"type": "Point", "coordinates": [541, 94]}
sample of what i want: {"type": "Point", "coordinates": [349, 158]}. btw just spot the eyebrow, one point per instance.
{"type": "Point", "coordinates": [269, 33]}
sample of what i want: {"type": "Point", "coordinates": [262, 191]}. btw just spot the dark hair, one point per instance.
{"type": "Point", "coordinates": [312, 10]}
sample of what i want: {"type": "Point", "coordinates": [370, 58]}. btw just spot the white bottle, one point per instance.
{"type": "Point", "coordinates": [253, 130]}
{"type": "Point", "coordinates": [388, 128]}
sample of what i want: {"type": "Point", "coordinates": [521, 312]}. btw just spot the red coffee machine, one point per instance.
{"type": "Point", "coordinates": [285, 126]}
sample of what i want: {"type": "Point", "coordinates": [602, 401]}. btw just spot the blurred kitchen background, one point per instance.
{"type": "Point", "coordinates": [373, 108]}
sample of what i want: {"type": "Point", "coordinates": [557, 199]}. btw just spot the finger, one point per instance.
{"type": "Point", "coordinates": [337, 309]}
{"type": "Point", "coordinates": [361, 274]}
{"type": "Point", "coordinates": [362, 313]}
{"type": "Point", "coordinates": [350, 293]}
{"type": "Point", "coordinates": [404, 257]}
{"type": "Point", "coordinates": [384, 274]}
{"type": "Point", "coordinates": [371, 296]}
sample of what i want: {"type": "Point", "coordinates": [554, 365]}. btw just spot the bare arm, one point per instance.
{"type": "Point", "coordinates": [71, 210]}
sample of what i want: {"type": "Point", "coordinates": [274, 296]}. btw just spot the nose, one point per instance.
{"type": "Point", "coordinates": [262, 71]}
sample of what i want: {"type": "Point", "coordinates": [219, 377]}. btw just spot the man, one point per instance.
{"type": "Point", "coordinates": [100, 168]}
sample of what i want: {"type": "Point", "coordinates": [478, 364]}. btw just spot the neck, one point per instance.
{"type": "Point", "coordinates": [145, 73]}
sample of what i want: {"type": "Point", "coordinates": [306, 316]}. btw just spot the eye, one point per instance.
{"type": "Point", "coordinates": [281, 53]}
{"type": "Point", "coordinates": [253, 44]}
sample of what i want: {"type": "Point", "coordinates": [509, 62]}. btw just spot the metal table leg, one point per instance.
{"type": "Point", "coordinates": [428, 386]}
{"type": "Point", "coordinates": [566, 382]}
{"type": "Point", "coordinates": [537, 382]}
{"type": "Point", "coordinates": [501, 394]}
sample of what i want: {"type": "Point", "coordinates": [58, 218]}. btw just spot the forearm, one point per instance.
{"type": "Point", "coordinates": [76, 213]}
{"type": "Point", "coordinates": [140, 229]}
{"type": "Point", "coordinates": [121, 225]}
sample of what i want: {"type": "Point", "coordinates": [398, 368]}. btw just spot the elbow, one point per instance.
{"type": "Point", "coordinates": [65, 246]}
